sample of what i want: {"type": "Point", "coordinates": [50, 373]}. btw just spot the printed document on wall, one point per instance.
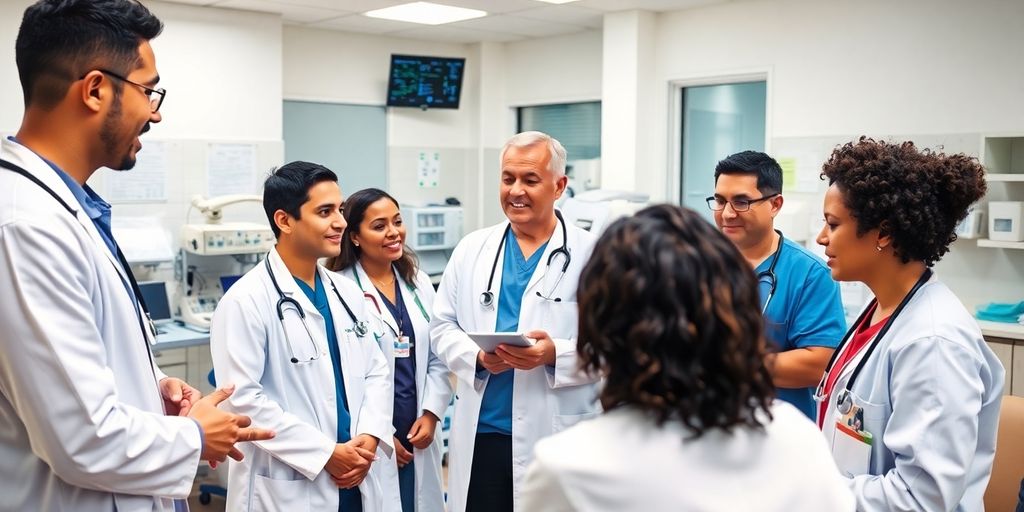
{"type": "Point", "coordinates": [230, 169]}
{"type": "Point", "coordinates": [145, 182]}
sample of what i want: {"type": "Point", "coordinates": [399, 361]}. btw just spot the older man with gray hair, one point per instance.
{"type": "Point", "coordinates": [519, 276]}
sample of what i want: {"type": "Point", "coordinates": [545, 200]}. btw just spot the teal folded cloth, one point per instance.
{"type": "Point", "coordinates": [996, 312]}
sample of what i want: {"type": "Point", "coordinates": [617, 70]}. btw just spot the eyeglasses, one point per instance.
{"type": "Point", "coordinates": [738, 205]}
{"type": "Point", "coordinates": [154, 101]}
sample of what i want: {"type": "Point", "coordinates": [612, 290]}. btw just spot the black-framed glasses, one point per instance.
{"type": "Point", "coordinates": [154, 101]}
{"type": "Point", "coordinates": [738, 205]}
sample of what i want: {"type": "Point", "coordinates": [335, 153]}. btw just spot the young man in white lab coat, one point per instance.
{"type": "Point", "coordinates": [87, 420]}
{"type": "Point", "coordinates": [518, 276]}
{"type": "Point", "coordinates": [293, 339]}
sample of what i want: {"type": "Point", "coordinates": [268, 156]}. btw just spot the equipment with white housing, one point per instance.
{"type": "Point", "coordinates": [432, 231]}
{"type": "Point", "coordinates": [593, 210]}
{"type": "Point", "coordinates": [215, 237]}
{"type": "Point", "coordinates": [245, 241]}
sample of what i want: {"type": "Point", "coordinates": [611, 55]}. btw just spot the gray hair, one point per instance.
{"type": "Point", "coordinates": [529, 139]}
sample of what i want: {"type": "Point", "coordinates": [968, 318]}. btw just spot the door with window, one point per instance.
{"type": "Point", "coordinates": [717, 121]}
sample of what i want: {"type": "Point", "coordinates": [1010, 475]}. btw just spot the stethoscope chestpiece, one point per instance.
{"type": "Point", "coordinates": [487, 299]}
{"type": "Point", "coordinates": [360, 328]}
{"type": "Point", "coordinates": [844, 402]}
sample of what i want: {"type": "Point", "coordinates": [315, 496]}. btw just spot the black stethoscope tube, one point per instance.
{"type": "Point", "coordinates": [487, 297]}
{"type": "Point", "coordinates": [843, 398]}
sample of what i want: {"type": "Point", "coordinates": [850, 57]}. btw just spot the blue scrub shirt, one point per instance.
{"type": "Point", "coordinates": [350, 499]}
{"type": "Point", "coordinates": [516, 271]}
{"type": "Point", "coordinates": [805, 311]}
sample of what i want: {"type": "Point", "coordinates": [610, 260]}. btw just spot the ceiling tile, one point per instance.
{"type": "Point", "coordinates": [515, 25]}
{"type": "Point", "coordinates": [363, 24]}
{"type": "Point", "coordinates": [450, 34]}
{"type": "Point", "coordinates": [332, 5]}
{"type": "Point", "coordinates": [570, 14]}
{"type": "Point", "coordinates": [293, 13]}
{"type": "Point", "coordinates": [493, 6]}
{"type": "Point", "coordinates": [191, 2]}
{"type": "Point", "coordinates": [647, 5]}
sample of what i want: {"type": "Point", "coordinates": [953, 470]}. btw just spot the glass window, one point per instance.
{"type": "Point", "coordinates": [576, 125]}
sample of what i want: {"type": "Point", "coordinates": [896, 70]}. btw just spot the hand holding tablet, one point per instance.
{"type": "Point", "coordinates": [489, 341]}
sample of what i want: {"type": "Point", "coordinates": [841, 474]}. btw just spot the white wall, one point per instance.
{"type": "Point", "coordinates": [561, 69]}
{"type": "Point", "coordinates": [11, 103]}
{"type": "Point", "coordinates": [339, 67]}
{"type": "Point", "coordinates": [917, 66]}
{"type": "Point", "coordinates": [221, 68]}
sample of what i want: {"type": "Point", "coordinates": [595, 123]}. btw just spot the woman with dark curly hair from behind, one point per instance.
{"type": "Point", "coordinates": [670, 314]}
{"type": "Point", "coordinates": [914, 365]}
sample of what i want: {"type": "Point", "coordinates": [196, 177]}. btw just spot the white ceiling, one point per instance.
{"type": "Point", "coordinates": [507, 20]}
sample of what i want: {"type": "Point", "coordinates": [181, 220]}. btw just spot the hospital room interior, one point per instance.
{"type": "Point", "coordinates": [645, 96]}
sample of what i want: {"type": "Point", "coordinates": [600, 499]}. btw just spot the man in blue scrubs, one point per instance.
{"type": "Point", "coordinates": [291, 336]}
{"type": "Point", "coordinates": [803, 313]}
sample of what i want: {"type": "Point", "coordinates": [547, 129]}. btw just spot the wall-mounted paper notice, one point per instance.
{"type": "Point", "coordinates": [230, 169]}
{"type": "Point", "coordinates": [143, 239]}
{"type": "Point", "coordinates": [429, 169]}
{"type": "Point", "coordinates": [145, 182]}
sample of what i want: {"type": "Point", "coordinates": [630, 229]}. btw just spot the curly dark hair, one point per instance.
{"type": "Point", "coordinates": [917, 197]}
{"type": "Point", "coordinates": [669, 311]}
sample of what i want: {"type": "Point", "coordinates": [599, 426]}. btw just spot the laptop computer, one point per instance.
{"type": "Point", "coordinates": [155, 295]}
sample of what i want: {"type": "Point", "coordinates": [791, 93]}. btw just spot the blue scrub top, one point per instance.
{"type": "Point", "coordinates": [350, 499]}
{"type": "Point", "coordinates": [806, 311]}
{"type": "Point", "coordinates": [516, 271]}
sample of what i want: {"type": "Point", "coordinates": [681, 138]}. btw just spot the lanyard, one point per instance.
{"type": "Point", "coordinates": [874, 342]}
{"type": "Point", "coordinates": [415, 297]}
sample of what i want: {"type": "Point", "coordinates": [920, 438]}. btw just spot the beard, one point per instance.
{"type": "Point", "coordinates": [112, 136]}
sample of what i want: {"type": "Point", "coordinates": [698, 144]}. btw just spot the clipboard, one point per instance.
{"type": "Point", "coordinates": [489, 341]}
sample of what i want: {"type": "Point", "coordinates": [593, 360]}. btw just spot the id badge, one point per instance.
{"type": "Point", "coordinates": [402, 347]}
{"type": "Point", "coordinates": [851, 443]}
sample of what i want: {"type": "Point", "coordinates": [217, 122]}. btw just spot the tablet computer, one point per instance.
{"type": "Point", "coordinates": [489, 341]}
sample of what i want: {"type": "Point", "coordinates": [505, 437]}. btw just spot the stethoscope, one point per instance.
{"type": "Point", "coordinates": [141, 311]}
{"type": "Point", "coordinates": [415, 297]}
{"type": "Point", "coordinates": [768, 276]}
{"type": "Point", "coordinates": [487, 297]}
{"type": "Point", "coordinates": [359, 326]}
{"type": "Point", "coordinates": [844, 399]}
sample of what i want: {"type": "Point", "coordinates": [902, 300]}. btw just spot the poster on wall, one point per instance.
{"type": "Point", "coordinates": [145, 182]}
{"type": "Point", "coordinates": [230, 169]}
{"type": "Point", "coordinates": [428, 169]}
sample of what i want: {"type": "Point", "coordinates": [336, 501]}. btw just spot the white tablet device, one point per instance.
{"type": "Point", "coordinates": [489, 341]}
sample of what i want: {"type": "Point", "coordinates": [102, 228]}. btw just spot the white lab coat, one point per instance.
{"type": "Point", "coordinates": [930, 393]}
{"type": "Point", "coordinates": [624, 462]}
{"type": "Point", "coordinates": [433, 386]}
{"type": "Point", "coordinates": [296, 400]}
{"type": "Point", "coordinates": [544, 400]}
{"type": "Point", "coordinates": [82, 424]}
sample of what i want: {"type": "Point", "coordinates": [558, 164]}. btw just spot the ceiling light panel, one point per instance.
{"type": "Point", "coordinates": [426, 13]}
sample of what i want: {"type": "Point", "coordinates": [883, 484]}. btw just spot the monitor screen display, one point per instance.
{"type": "Point", "coordinates": [426, 82]}
{"type": "Point", "coordinates": [154, 294]}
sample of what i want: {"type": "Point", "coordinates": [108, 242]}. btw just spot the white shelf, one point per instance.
{"type": "Point", "coordinates": [985, 242]}
{"type": "Point", "coordinates": [1001, 330]}
{"type": "Point", "coordinates": [1005, 177]}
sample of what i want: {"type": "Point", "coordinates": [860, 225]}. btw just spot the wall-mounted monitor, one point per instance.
{"type": "Point", "coordinates": [425, 82]}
